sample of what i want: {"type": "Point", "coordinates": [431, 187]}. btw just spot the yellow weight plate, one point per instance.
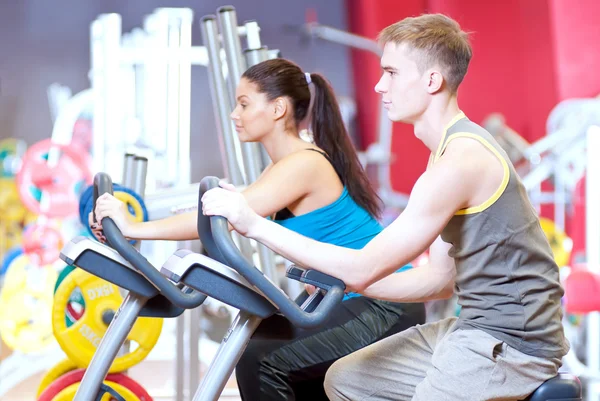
{"type": "Point", "coordinates": [26, 306]}
{"type": "Point", "coordinates": [560, 243]}
{"type": "Point", "coordinates": [11, 207]}
{"type": "Point", "coordinates": [10, 235]}
{"type": "Point", "coordinates": [81, 340]}
{"type": "Point", "coordinates": [131, 201]}
{"type": "Point", "coordinates": [54, 373]}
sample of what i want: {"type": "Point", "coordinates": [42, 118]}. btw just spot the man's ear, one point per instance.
{"type": "Point", "coordinates": [435, 81]}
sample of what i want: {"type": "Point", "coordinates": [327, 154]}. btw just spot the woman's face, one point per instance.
{"type": "Point", "coordinates": [253, 114]}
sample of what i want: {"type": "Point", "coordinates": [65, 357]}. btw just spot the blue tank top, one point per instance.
{"type": "Point", "coordinates": [343, 223]}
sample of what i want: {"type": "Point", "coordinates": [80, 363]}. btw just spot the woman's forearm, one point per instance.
{"type": "Point", "coordinates": [181, 227]}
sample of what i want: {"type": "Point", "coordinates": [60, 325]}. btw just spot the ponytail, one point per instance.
{"type": "Point", "coordinates": [330, 134]}
{"type": "Point", "coordinates": [280, 77]}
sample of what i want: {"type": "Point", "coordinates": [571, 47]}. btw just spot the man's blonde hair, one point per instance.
{"type": "Point", "coordinates": [438, 40]}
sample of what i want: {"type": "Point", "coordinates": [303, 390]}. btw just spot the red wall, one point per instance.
{"type": "Point", "coordinates": [511, 71]}
{"type": "Point", "coordinates": [528, 56]}
{"type": "Point", "coordinates": [576, 37]}
{"type": "Point", "coordinates": [367, 18]}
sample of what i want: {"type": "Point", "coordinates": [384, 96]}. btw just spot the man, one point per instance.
{"type": "Point", "coordinates": [484, 238]}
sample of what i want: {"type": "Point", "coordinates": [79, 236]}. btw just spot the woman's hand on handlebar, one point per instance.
{"type": "Point", "coordinates": [109, 206]}
{"type": "Point", "coordinates": [96, 228]}
{"type": "Point", "coordinates": [231, 204]}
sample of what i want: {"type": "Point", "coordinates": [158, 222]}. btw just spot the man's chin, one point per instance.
{"type": "Point", "coordinates": [394, 116]}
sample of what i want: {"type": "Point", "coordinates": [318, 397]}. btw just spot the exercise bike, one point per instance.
{"type": "Point", "coordinates": [184, 282]}
{"type": "Point", "coordinates": [186, 279]}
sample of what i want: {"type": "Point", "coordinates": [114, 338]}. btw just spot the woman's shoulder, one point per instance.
{"type": "Point", "coordinates": [307, 160]}
{"type": "Point", "coordinates": [309, 152]}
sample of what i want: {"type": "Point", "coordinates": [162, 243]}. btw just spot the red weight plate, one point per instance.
{"type": "Point", "coordinates": [135, 387]}
{"type": "Point", "coordinates": [69, 378]}
{"type": "Point", "coordinates": [42, 244]}
{"type": "Point", "coordinates": [59, 183]}
{"type": "Point", "coordinates": [61, 383]}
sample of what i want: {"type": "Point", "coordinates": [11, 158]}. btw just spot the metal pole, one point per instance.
{"type": "Point", "coordinates": [255, 53]}
{"type": "Point", "coordinates": [236, 66]}
{"type": "Point", "coordinates": [180, 357]}
{"type": "Point", "coordinates": [255, 56]}
{"type": "Point", "coordinates": [274, 53]}
{"type": "Point", "coordinates": [233, 48]}
{"type": "Point", "coordinates": [178, 33]}
{"type": "Point", "coordinates": [105, 34]}
{"type": "Point", "coordinates": [344, 38]}
{"type": "Point", "coordinates": [194, 350]}
{"type": "Point", "coordinates": [592, 238]}
{"type": "Point", "coordinates": [107, 351]}
{"type": "Point", "coordinates": [154, 120]}
{"type": "Point", "coordinates": [128, 170]}
{"type": "Point", "coordinates": [112, 134]}
{"type": "Point", "coordinates": [185, 99]}
{"type": "Point", "coordinates": [210, 35]}
{"type": "Point", "coordinates": [138, 183]}
{"type": "Point", "coordinates": [228, 355]}
{"type": "Point", "coordinates": [210, 38]}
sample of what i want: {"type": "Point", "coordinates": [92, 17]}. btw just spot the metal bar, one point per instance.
{"type": "Point", "coordinates": [592, 238]}
{"type": "Point", "coordinates": [128, 170]}
{"type": "Point", "coordinates": [194, 350]}
{"type": "Point", "coordinates": [185, 99]}
{"type": "Point", "coordinates": [156, 94]}
{"type": "Point", "coordinates": [107, 351]}
{"type": "Point", "coordinates": [180, 358]}
{"type": "Point", "coordinates": [139, 180]}
{"type": "Point", "coordinates": [344, 38]}
{"type": "Point", "coordinates": [236, 66]}
{"type": "Point", "coordinates": [219, 93]}
{"type": "Point", "coordinates": [228, 355]}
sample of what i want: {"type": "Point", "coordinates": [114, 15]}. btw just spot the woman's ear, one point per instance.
{"type": "Point", "coordinates": [280, 108]}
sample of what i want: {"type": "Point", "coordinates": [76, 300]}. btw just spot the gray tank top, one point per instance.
{"type": "Point", "coordinates": [507, 281]}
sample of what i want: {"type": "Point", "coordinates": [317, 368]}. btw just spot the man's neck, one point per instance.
{"type": "Point", "coordinates": [431, 126]}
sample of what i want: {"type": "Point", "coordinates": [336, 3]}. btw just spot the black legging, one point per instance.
{"type": "Point", "coordinates": [294, 369]}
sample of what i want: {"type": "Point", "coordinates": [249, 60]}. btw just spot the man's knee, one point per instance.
{"type": "Point", "coordinates": [337, 375]}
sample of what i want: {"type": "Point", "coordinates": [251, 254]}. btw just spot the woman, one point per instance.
{"type": "Point", "coordinates": [319, 190]}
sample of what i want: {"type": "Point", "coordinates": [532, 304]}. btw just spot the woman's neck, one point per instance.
{"type": "Point", "coordinates": [281, 144]}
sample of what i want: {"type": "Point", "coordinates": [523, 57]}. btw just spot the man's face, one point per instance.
{"type": "Point", "coordinates": [402, 87]}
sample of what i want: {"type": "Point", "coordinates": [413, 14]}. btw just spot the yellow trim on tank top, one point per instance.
{"type": "Point", "coordinates": [438, 152]}
{"type": "Point", "coordinates": [492, 199]}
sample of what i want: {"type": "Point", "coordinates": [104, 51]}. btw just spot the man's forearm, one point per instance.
{"type": "Point", "coordinates": [340, 262]}
{"type": "Point", "coordinates": [415, 285]}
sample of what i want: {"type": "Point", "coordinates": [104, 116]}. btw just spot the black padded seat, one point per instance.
{"type": "Point", "coordinates": [227, 290]}
{"type": "Point", "coordinates": [564, 387]}
{"type": "Point", "coordinates": [114, 272]}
